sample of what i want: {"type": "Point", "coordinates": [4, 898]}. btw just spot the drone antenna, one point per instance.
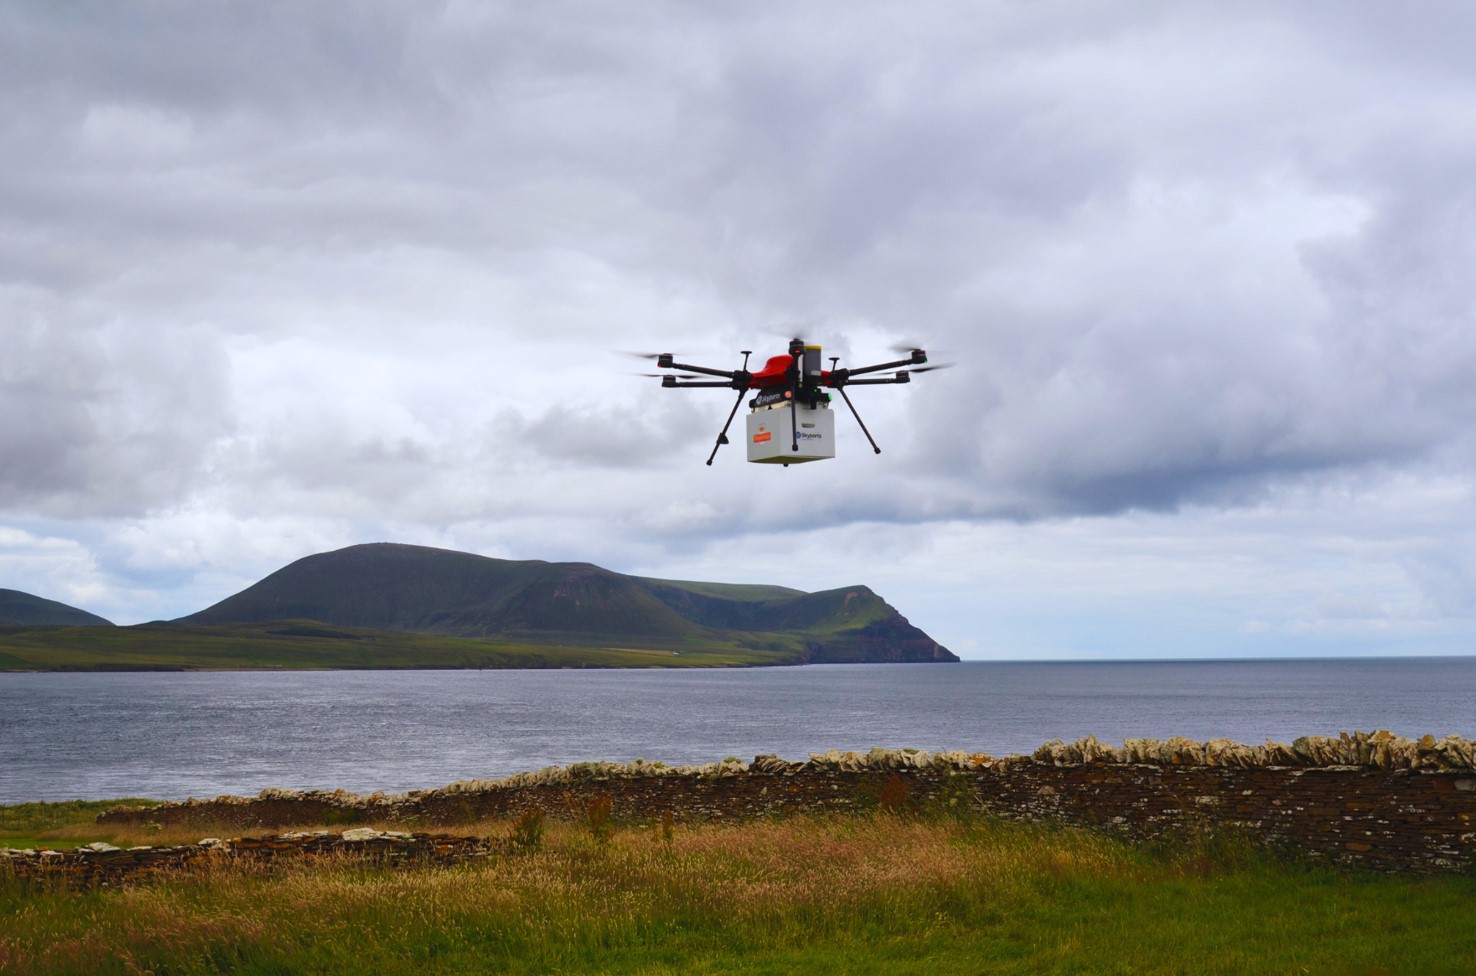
{"type": "Point", "coordinates": [746, 354]}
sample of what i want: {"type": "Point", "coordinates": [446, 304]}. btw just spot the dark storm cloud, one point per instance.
{"type": "Point", "coordinates": [340, 260]}
{"type": "Point", "coordinates": [613, 437]}
{"type": "Point", "coordinates": [310, 62]}
{"type": "Point", "coordinates": [1165, 288]}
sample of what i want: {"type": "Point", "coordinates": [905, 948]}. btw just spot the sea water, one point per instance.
{"type": "Point", "coordinates": [172, 735]}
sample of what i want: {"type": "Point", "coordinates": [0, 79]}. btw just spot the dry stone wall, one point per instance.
{"type": "Point", "coordinates": [103, 864]}
{"type": "Point", "coordinates": [1371, 799]}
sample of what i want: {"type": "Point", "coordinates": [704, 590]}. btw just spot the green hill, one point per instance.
{"type": "Point", "coordinates": [25, 610]}
{"type": "Point", "coordinates": [415, 589]}
{"type": "Point", "coordinates": [299, 644]}
{"type": "Point", "coordinates": [395, 606]}
{"type": "Point", "coordinates": [385, 586]}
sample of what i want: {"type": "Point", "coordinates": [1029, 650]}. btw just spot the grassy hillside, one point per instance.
{"type": "Point", "coordinates": [384, 586]}
{"type": "Point", "coordinates": [416, 589]}
{"type": "Point", "coordinates": [25, 609]}
{"type": "Point", "coordinates": [310, 644]}
{"type": "Point", "coordinates": [770, 608]}
{"type": "Point", "coordinates": [397, 606]}
{"type": "Point", "coordinates": [726, 591]}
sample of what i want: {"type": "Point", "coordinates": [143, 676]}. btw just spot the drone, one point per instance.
{"type": "Point", "coordinates": [790, 420]}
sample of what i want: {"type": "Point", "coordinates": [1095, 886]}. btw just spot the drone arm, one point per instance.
{"type": "Point", "coordinates": [902, 377]}
{"type": "Point", "coordinates": [723, 437]}
{"type": "Point", "coordinates": [728, 373]}
{"type": "Point", "coordinates": [672, 383]}
{"type": "Point", "coordinates": [917, 358]}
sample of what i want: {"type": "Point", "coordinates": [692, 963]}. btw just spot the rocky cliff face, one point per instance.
{"type": "Point", "coordinates": [850, 624]}
{"type": "Point", "coordinates": [891, 639]}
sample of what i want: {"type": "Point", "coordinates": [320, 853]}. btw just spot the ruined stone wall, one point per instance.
{"type": "Point", "coordinates": [1375, 800]}
{"type": "Point", "coordinates": [103, 864]}
{"type": "Point", "coordinates": [1383, 819]}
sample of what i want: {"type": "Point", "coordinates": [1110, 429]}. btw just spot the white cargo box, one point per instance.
{"type": "Point", "coordinates": [771, 434]}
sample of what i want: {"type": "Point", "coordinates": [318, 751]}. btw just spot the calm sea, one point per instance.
{"type": "Point", "coordinates": [93, 736]}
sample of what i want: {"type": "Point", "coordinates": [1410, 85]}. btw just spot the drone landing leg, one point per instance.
{"type": "Point", "coordinates": [723, 437]}
{"type": "Point", "coordinates": [842, 391]}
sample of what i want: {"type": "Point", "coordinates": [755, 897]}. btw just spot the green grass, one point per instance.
{"type": "Point", "coordinates": [310, 645]}
{"type": "Point", "coordinates": [55, 825]}
{"type": "Point", "coordinates": [875, 894]}
{"type": "Point", "coordinates": [748, 592]}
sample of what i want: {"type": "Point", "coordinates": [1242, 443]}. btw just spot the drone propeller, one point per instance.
{"type": "Point", "coordinates": [647, 355]}
{"type": "Point", "coordinates": [679, 376]}
{"type": "Point", "coordinates": [925, 369]}
{"type": "Point", "coordinates": [907, 348]}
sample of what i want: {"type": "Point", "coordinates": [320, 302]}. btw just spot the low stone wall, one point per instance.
{"type": "Point", "coordinates": [1373, 799]}
{"type": "Point", "coordinates": [103, 864]}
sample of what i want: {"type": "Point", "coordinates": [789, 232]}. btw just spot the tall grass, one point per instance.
{"type": "Point", "coordinates": [64, 824]}
{"type": "Point", "coordinates": [877, 894]}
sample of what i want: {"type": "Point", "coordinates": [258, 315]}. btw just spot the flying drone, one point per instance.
{"type": "Point", "coordinates": [790, 420]}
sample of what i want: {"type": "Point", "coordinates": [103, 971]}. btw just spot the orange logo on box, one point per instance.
{"type": "Point", "coordinates": [761, 437]}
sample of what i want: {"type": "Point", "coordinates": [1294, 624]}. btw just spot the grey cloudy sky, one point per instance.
{"type": "Point", "coordinates": [278, 277]}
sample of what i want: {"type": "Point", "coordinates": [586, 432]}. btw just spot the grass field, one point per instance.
{"type": "Point", "coordinates": [874, 894]}
{"type": "Point", "coordinates": [306, 644]}
{"type": "Point", "coordinates": [57, 825]}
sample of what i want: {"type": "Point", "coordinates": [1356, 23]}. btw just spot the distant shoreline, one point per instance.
{"type": "Point", "coordinates": [302, 646]}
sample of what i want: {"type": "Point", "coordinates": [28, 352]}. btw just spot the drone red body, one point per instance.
{"type": "Point", "coordinates": [774, 373]}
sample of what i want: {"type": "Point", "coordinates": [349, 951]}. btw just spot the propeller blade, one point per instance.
{"type": "Point", "coordinates": [680, 376]}
{"type": "Point", "coordinates": [926, 369]}
{"type": "Point", "coordinates": [907, 348]}
{"type": "Point", "coordinates": [647, 355]}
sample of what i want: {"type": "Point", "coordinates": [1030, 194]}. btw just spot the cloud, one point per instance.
{"type": "Point", "coordinates": [332, 274]}
{"type": "Point", "coordinates": [100, 420]}
{"type": "Point", "coordinates": [51, 567]}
